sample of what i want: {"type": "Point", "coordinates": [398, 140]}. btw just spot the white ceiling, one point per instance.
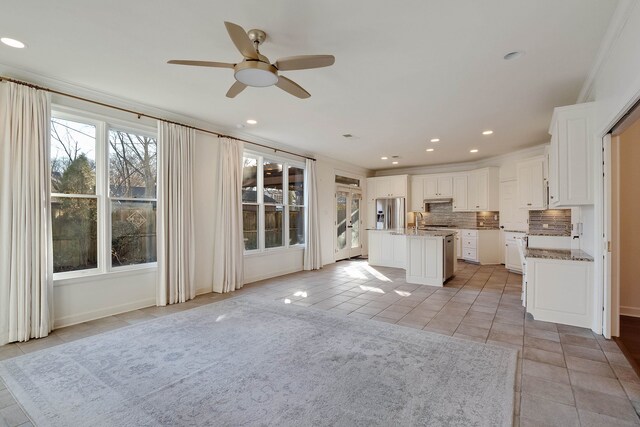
{"type": "Point", "coordinates": [405, 71]}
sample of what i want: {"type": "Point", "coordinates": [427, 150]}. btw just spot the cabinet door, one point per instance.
{"type": "Point", "coordinates": [482, 200]}
{"type": "Point", "coordinates": [445, 186]}
{"type": "Point", "coordinates": [574, 159]}
{"type": "Point", "coordinates": [512, 257]}
{"type": "Point", "coordinates": [531, 189]}
{"type": "Point", "coordinates": [525, 182]}
{"type": "Point", "coordinates": [383, 188]}
{"type": "Point", "coordinates": [417, 194]}
{"type": "Point", "coordinates": [460, 193]}
{"type": "Point", "coordinates": [511, 216]}
{"type": "Point", "coordinates": [430, 187]}
{"type": "Point", "coordinates": [553, 169]}
{"type": "Point", "coordinates": [458, 246]}
{"type": "Point", "coordinates": [399, 186]}
{"type": "Point", "coordinates": [472, 192]}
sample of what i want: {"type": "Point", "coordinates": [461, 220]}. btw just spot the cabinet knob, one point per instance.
{"type": "Point", "coordinates": [528, 204]}
{"type": "Point", "coordinates": [552, 197]}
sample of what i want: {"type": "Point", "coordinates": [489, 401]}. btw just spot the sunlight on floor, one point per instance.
{"type": "Point", "coordinates": [371, 289]}
{"type": "Point", "coordinates": [302, 294]}
{"type": "Point", "coordinates": [355, 273]}
{"type": "Point", "coordinates": [377, 274]}
{"type": "Point", "coordinates": [402, 293]}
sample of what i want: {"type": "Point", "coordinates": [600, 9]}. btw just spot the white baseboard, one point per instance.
{"type": "Point", "coordinates": [98, 314]}
{"type": "Point", "coordinates": [272, 274]}
{"type": "Point", "coordinates": [629, 311]}
{"type": "Point", "coordinates": [201, 291]}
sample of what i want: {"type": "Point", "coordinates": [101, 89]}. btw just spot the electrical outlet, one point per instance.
{"type": "Point", "coordinates": [545, 225]}
{"type": "Point", "coordinates": [481, 223]}
{"type": "Point", "coordinates": [495, 217]}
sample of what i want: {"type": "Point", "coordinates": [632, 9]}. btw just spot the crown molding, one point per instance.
{"type": "Point", "coordinates": [616, 25]}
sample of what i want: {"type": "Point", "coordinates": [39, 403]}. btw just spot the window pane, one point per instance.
{"type": "Point", "coordinates": [74, 231]}
{"type": "Point", "coordinates": [272, 182]}
{"type": "Point", "coordinates": [250, 226]}
{"type": "Point", "coordinates": [132, 165]}
{"type": "Point", "coordinates": [347, 181]}
{"type": "Point", "coordinates": [250, 180]}
{"type": "Point", "coordinates": [341, 217]}
{"type": "Point", "coordinates": [73, 157]}
{"type": "Point", "coordinates": [296, 186]}
{"type": "Point", "coordinates": [133, 232]}
{"type": "Point", "coordinates": [273, 229]}
{"type": "Point", "coordinates": [296, 225]}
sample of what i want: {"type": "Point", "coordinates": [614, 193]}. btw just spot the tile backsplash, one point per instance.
{"type": "Point", "coordinates": [558, 222]}
{"type": "Point", "coordinates": [442, 214]}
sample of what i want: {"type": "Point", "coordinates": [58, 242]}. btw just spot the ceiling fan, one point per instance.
{"type": "Point", "coordinates": [255, 69]}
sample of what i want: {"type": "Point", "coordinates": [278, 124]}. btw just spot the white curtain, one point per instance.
{"type": "Point", "coordinates": [228, 256]}
{"type": "Point", "coordinates": [26, 272]}
{"type": "Point", "coordinates": [312, 252]}
{"type": "Point", "coordinates": [176, 246]}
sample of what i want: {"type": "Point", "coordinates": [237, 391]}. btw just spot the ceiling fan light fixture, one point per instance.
{"type": "Point", "coordinates": [256, 74]}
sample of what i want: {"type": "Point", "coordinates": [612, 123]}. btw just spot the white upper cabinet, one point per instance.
{"type": "Point", "coordinates": [531, 186]}
{"type": "Point", "coordinates": [512, 218]}
{"type": "Point", "coordinates": [417, 194]}
{"type": "Point", "coordinates": [570, 156]}
{"type": "Point", "coordinates": [460, 193]}
{"type": "Point", "coordinates": [438, 186]}
{"type": "Point", "coordinates": [387, 186]}
{"type": "Point", "coordinates": [482, 190]}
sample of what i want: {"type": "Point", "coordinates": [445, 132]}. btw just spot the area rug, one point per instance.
{"type": "Point", "coordinates": [249, 362]}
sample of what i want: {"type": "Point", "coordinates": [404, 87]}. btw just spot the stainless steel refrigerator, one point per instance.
{"type": "Point", "coordinates": [390, 214]}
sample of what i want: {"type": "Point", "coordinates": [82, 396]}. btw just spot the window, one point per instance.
{"type": "Point", "coordinates": [103, 195]}
{"type": "Point", "coordinates": [273, 209]}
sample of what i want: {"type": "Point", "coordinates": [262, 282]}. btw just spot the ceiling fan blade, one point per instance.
{"type": "Point", "coordinates": [304, 62]}
{"type": "Point", "coordinates": [235, 89]}
{"type": "Point", "coordinates": [242, 41]}
{"type": "Point", "coordinates": [201, 63]}
{"type": "Point", "coordinates": [292, 87]}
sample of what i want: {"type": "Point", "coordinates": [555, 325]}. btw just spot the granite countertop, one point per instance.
{"type": "Point", "coordinates": [559, 254]}
{"type": "Point", "coordinates": [515, 231]}
{"type": "Point", "coordinates": [417, 233]}
{"type": "Point", "coordinates": [460, 228]}
{"type": "Point", "coordinates": [547, 234]}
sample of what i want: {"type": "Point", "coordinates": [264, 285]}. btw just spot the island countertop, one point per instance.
{"type": "Point", "coordinates": [411, 232]}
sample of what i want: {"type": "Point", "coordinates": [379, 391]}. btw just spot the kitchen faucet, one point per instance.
{"type": "Point", "coordinates": [416, 220]}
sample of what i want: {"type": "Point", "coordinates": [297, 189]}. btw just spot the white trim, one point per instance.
{"type": "Point", "coordinates": [272, 251]}
{"type": "Point", "coordinates": [85, 276]}
{"type": "Point", "coordinates": [616, 24]}
{"type": "Point", "coordinates": [273, 274]}
{"type": "Point", "coordinates": [629, 311]}
{"type": "Point", "coordinates": [103, 312]}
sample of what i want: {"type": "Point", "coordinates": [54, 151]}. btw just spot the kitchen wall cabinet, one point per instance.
{"type": "Point", "coordinates": [387, 186]}
{"type": "Point", "coordinates": [481, 246]}
{"type": "Point", "coordinates": [531, 185]}
{"type": "Point", "coordinates": [416, 201]}
{"type": "Point", "coordinates": [570, 156]}
{"type": "Point", "coordinates": [460, 193]}
{"type": "Point", "coordinates": [512, 260]}
{"type": "Point", "coordinates": [482, 190]}
{"type": "Point", "coordinates": [438, 186]}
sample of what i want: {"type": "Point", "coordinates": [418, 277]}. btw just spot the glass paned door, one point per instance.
{"type": "Point", "coordinates": [348, 224]}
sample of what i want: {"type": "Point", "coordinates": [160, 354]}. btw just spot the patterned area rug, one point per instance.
{"type": "Point", "coordinates": [247, 362]}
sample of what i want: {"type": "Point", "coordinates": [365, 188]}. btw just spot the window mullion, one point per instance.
{"type": "Point", "coordinates": [285, 200]}
{"type": "Point", "coordinates": [102, 182]}
{"type": "Point", "coordinates": [261, 213]}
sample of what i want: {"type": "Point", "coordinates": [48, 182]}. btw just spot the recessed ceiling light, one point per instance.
{"type": "Point", "coordinates": [252, 122]}
{"type": "Point", "coordinates": [435, 140]}
{"type": "Point", "coordinates": [475, 150]}
{"type": "Point", "coordinates": [487, 132]}
{"type": "Point", "coordinates": [513, 55]}
{"type": "Point", "coordinates": [384, 158]}
{"type": "Point", "coordinates": [395, 163]}
{"type": "Point", "coordinates": [12, 42]}
{"type": "Point", "coordinates": [429, 149]}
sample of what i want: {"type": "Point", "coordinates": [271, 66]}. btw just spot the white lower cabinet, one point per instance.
{"type": "Point", "coordinates": [560, 291]}
{"type": "Point", "coordinates": [511, 255]}
{"type": "Point", "coordinates": [387, 249]}
{"type": "Point", "coordinates": [425, 263]}
{"type": "Point", "coordinates": [480, 246]}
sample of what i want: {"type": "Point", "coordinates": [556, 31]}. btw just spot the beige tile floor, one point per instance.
{"type": "Point", "coordinates": [566, 375]}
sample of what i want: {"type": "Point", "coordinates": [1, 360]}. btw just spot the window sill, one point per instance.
{"type": "Point", "coordinates": [274, 251]}
{"type": "Point", "coordinates": [83, 276]}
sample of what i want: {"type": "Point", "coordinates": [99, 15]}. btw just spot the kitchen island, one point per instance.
{"type": "Point", "coordinates": [420, 253]}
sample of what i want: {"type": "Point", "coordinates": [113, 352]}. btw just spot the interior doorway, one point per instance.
{"type": "Point", "coordinates": [348, 223]}
{"type": "Point", "coordinates": [621, 151]}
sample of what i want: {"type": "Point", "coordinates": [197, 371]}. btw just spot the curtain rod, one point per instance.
{"type": "Point", "coordinates": [136, 113]}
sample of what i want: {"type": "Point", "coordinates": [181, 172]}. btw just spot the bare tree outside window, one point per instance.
{"type": "Point", "coordinates": [74, 204]}
{"type": "Point", "coordinates": [132, 186]}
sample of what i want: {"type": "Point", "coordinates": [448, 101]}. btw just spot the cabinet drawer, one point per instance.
{"type": "Point", "coordinates": [511, 237]}
{"type": "Point", "coordinates": [469, 243]}
{"type": "Point", "coordinates": [469, 233]}
{"type": "Point", "coordinates": [470, 254]}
